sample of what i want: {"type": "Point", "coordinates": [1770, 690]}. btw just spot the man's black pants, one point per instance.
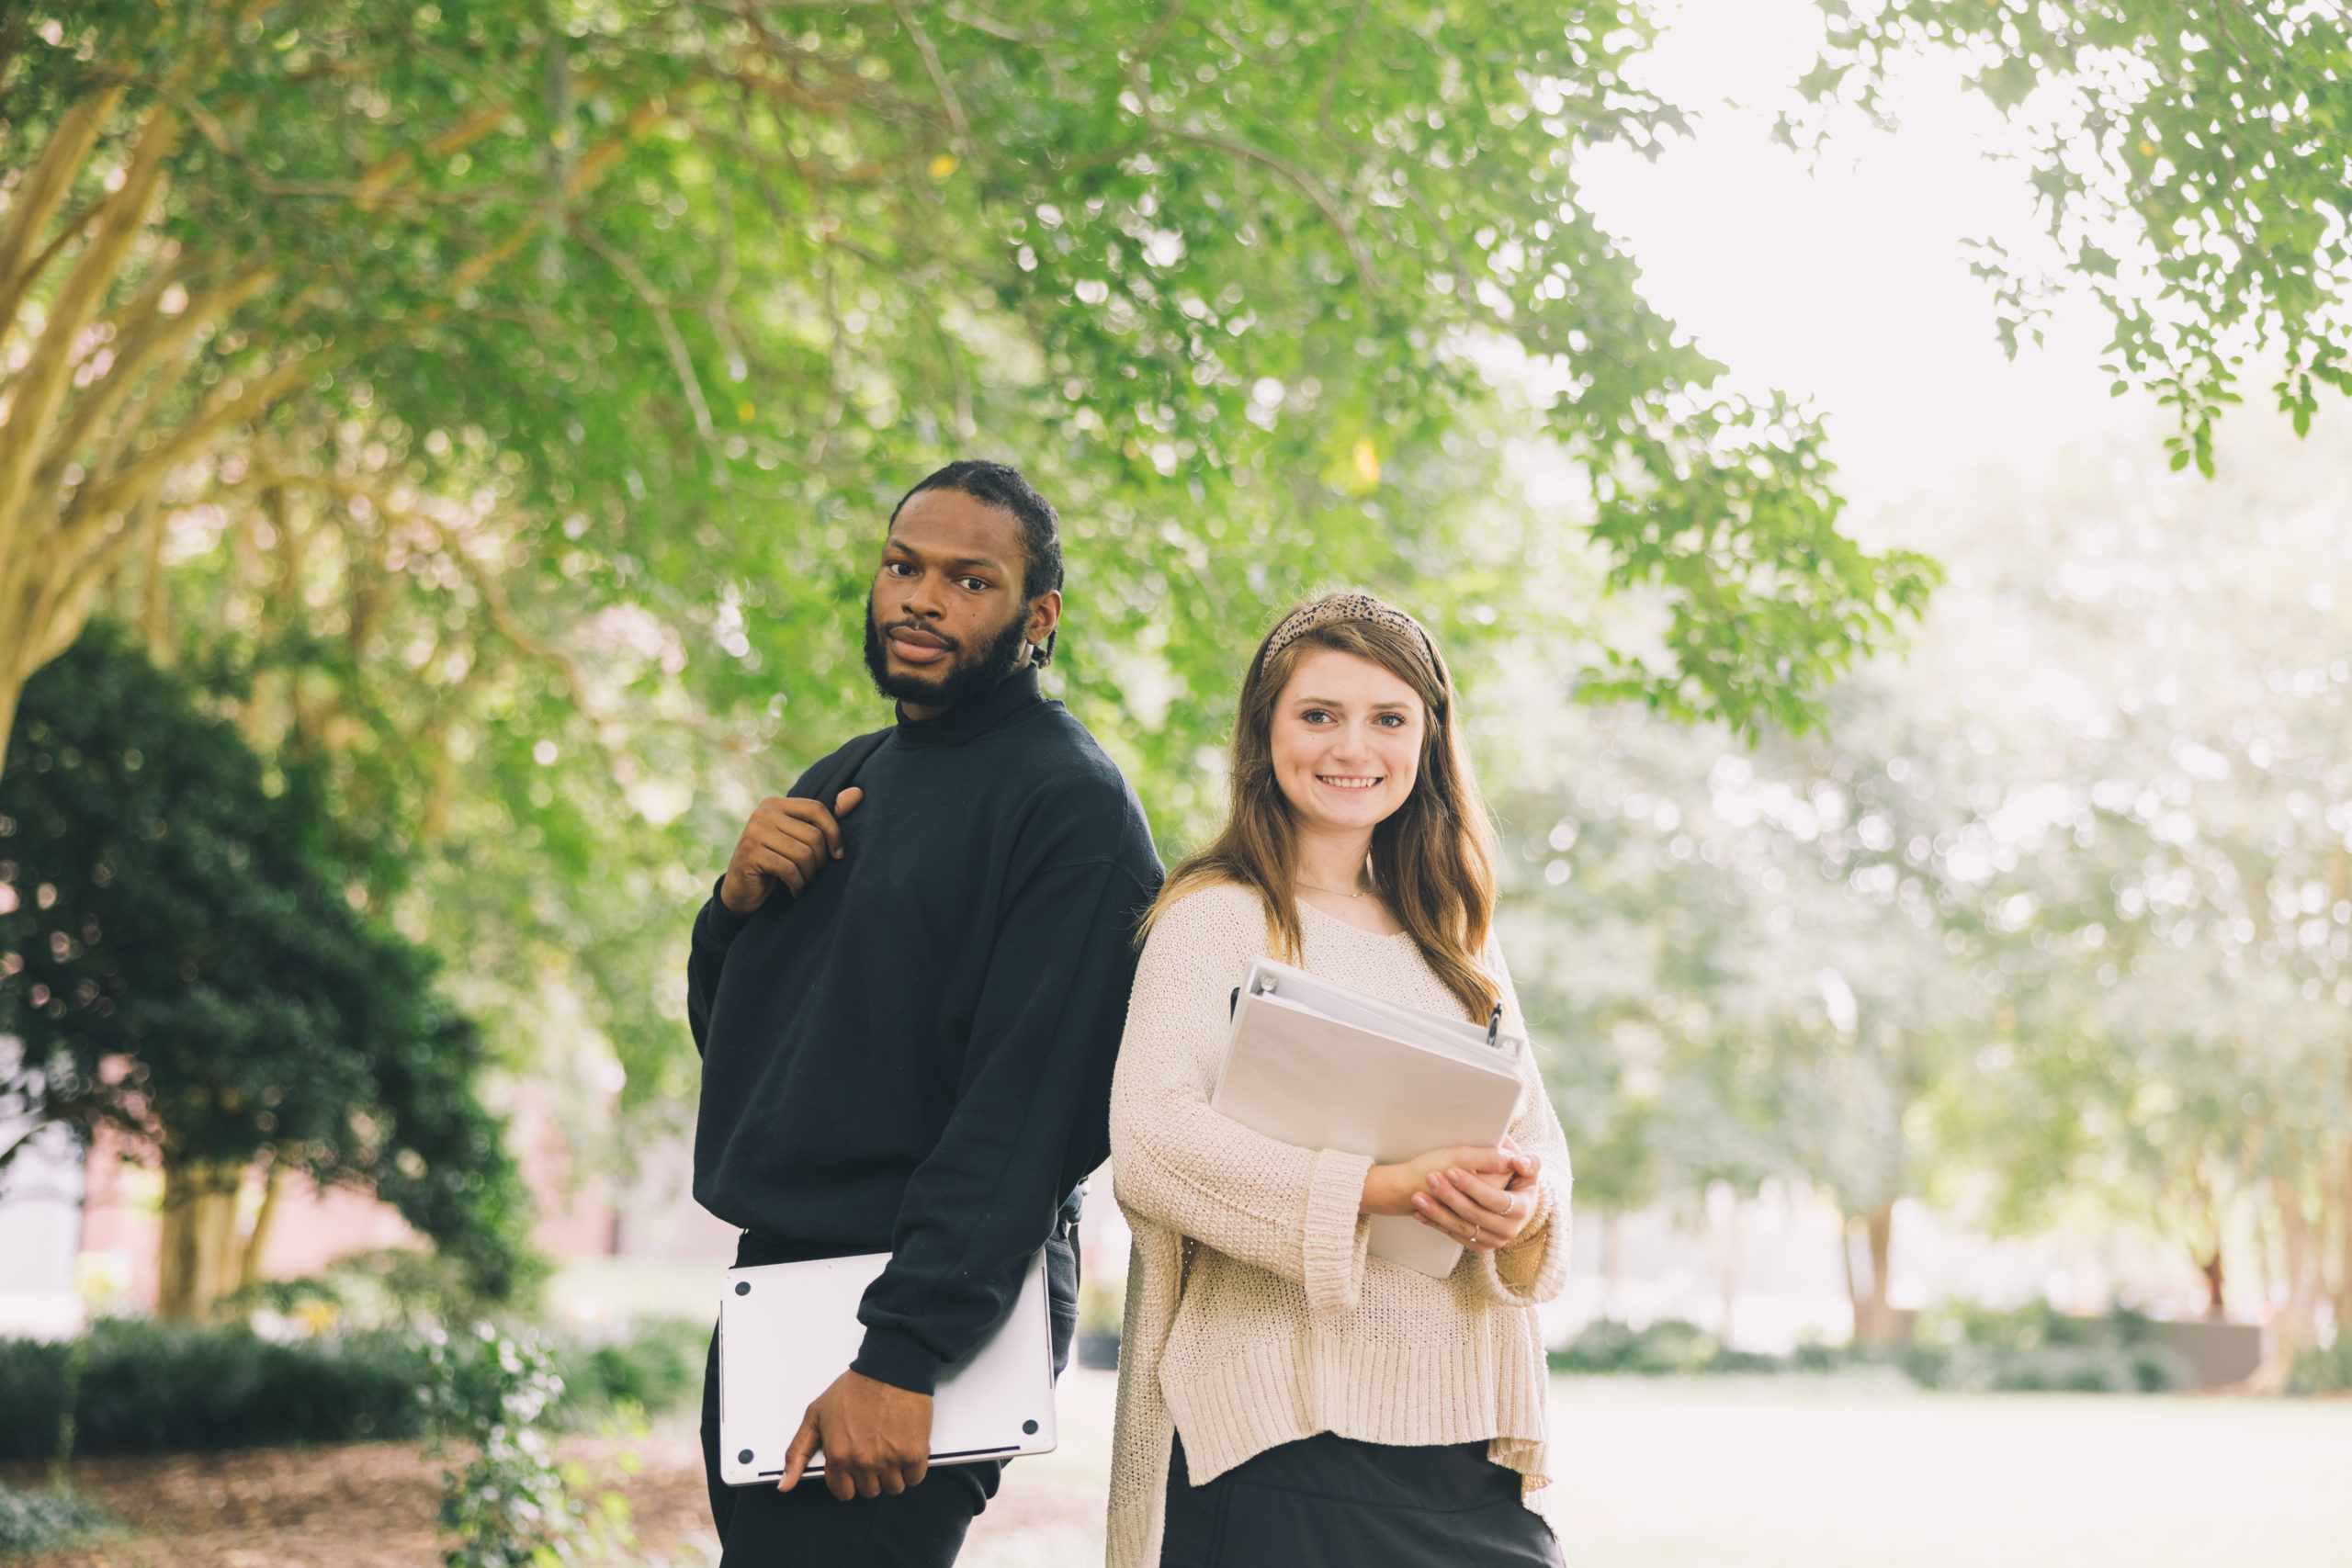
{"type": "Point", "coordinates": [760, 1528]}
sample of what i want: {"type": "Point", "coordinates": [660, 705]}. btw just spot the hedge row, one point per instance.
{"type": "Point", "coordinates": [2030, 1349]}
{"type": "Point", "coordinates": [149, 1387]}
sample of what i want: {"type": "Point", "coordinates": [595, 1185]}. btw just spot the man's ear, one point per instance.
{"type": "Point", "coordinates": [1045, 621]}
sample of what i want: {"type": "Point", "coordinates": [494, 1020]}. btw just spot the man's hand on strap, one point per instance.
{"type": "Point", "coordinates": [786, 840]}
{"type": "Point", "coordinates": [876, 1438]}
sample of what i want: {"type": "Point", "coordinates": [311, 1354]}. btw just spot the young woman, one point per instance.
{"type": "Point", "coordinates": [1283, 1397]}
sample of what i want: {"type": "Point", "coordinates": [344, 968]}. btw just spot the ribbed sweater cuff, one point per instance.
{"type": "Point", "coordinates": [894, 1357]}
{"type": "Point", "coordinates": [720, 925]}
{"type": "Point", "coordinates": [1335, 1232]}
{"type": "Point", "coordinates": [1534, 1268]}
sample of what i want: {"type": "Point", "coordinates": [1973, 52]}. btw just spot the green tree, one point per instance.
{"type": "Point", "coordinates": [180, 961]}
{"type": "Point", "coordinates": [2190, 157]}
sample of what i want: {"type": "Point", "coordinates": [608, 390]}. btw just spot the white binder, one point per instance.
{"type": "Point", "coordinates": [787, 1330]}
{"type": "Point", "coordinates": [1320, 1066]}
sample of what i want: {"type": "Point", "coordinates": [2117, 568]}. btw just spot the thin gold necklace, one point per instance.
{"type": "Point", "coordinates": [1342, 892]}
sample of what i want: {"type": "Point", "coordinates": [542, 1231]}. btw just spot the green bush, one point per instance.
{"type": "Point", "coordinates": [2058, 1369]}
{"type": "Point", "coordinates": [1671, 1348]}
{"type": "Point", "coordinates": [32, 1523]}
{"type": "Point", "coordinates": [1960, 1347]}
{"type": "Point", "coordinates": [2323, 1371]}
{"type": "Point", "coordinates": [393, 1287]}
{"type": "Point", "coordinates": [152, 1387]}
{"type": "Point", "coordinates": [489, 1391]}
{"type": "Point", "coordinates": [2037, 1348]}
{"type": "Point", "coordinates": [1657, 1350]}
{"type": "Point", "coordinates": [657, 1368]}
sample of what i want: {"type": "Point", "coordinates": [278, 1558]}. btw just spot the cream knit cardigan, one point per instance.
{"type": "Point", "coordinates": [1254, 1316]}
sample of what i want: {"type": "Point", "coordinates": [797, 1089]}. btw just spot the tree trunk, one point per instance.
{"type": "Point", "coordinates": [1873, 1318]}
{"type": "Point", "coordinates": [249, 1264]}
{"type": "Point", "coordinates": [1729, 1270]}
{"type": "Point", "coordinates": [1881, 1229]}
{"type": "Point", "coordinates": [198, 1256]}
{"type": "Point", "coordinates": [2343, 1299]}
{"type": "Point", "coordinates": [65, 533]}
{"type": "Point", "coordinates": [1853, 1281]}
{"type": "Point", "coordinates": [2297, 1325]}
{"type": "Point", "coordinates": [1612, 1261]}
{"type": "Point", "coordinates": [156, 601]}
{"type": "Point", "coordinates": [2210, 1267]}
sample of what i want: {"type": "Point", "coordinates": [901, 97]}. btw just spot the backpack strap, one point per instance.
{"type": "Point", "coordinates": [826, 781]}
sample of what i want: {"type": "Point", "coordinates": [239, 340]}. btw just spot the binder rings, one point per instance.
{"type": "Point", "coordinates": [1321, 1067]}
{"type": "Point", "coordinates": [787, 1330]}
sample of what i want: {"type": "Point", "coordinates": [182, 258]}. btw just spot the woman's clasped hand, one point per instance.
{"type": "Point", "coordinates": [1480, 1197]}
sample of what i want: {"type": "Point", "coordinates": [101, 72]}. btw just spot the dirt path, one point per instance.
{"type": "Point", "coordinates": [356, 1506]}
{"type": "Point", "coordinates": [372, 1506]}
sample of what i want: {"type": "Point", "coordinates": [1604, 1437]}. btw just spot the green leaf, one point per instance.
{"type": "Point", "coordinates": [2008, 83]}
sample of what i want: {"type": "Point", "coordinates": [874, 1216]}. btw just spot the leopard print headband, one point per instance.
{"type": "Point", "coordinates": [1332, 609]}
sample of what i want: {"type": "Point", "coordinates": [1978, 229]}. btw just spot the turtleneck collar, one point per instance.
{"type": "Point", "coordinates": [977, 717]}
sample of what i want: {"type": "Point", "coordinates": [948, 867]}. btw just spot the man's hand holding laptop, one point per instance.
{"type": "Point", "coordinates": [876, 1438]}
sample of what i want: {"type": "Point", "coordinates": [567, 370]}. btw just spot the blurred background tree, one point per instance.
{"type": "Point", "coordinates": [181, 960]}
{"type": "Point", "coordinates": [2053, 918]}
{"type": "Point", "coordinates": [2178, 917]}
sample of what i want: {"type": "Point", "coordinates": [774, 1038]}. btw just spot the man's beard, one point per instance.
{"type": "Point", "coordinates": [966, 677]}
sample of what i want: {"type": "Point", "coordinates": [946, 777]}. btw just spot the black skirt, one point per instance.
{"type": "Point", "coordinates": [1331, 1502]}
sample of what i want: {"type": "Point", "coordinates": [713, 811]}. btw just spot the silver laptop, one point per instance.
{"type": "Point", "coordinates": [787, 1330]}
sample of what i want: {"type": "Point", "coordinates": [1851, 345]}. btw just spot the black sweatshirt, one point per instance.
{"type": "Point", "coordinates": [914, 1055]}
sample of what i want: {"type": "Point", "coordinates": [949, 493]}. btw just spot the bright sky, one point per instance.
{"type": "Point", "coordinates": [1846, 282]}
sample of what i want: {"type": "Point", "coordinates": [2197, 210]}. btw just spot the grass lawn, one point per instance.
{"type": "Point", "coordinates": [1783, 1472]}
{"type": "Point", "coordinates": [1845, 1473]}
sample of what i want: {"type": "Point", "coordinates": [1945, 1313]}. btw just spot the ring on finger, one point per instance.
{"type": "Point", "coordinates": [1473, 1235]}
{"type": "Point", "coordinates": [1512, 1207]}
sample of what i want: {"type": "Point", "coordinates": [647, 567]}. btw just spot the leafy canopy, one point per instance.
{"type": "Point", "coordinates": [662, 301]}
{"type": "Point", "coordinates": [2194, 159]}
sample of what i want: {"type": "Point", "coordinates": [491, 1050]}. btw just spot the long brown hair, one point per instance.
{"type": "Point", "coordinates": [1432, 858]}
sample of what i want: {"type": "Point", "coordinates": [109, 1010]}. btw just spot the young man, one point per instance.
{"type": "Point", "coordinates": [907, 990]}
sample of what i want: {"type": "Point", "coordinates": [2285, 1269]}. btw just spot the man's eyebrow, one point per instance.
{"type": "Point", "coordinates": [895, 543]}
